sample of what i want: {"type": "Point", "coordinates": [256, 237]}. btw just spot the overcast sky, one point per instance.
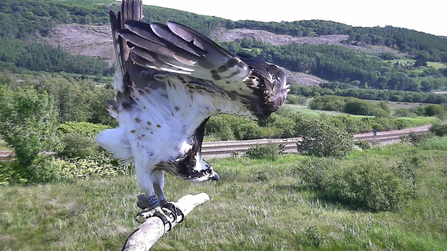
{"type": "Point", "coordinates": [429, 16]}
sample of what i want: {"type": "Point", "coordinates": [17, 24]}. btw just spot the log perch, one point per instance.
{"type": "Point", "coordinates": [149, 232]}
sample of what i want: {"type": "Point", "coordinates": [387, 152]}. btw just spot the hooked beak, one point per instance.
{"type": "Point", "coordinates": [214, 176]}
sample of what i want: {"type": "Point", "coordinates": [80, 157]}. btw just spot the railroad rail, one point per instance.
{"type": "Point", "coordinates": [219, 149]}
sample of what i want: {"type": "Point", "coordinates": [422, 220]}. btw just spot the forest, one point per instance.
{"type": "Point", "coordinates": [25, 21]}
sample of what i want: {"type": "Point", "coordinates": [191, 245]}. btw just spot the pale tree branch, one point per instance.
{"type": "Point", "coordinates": [148, 233]}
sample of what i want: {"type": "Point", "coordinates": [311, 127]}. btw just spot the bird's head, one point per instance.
{"type": "Point", "coordinates": [202, 171]}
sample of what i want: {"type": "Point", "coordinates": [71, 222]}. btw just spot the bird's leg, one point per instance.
{"type": "Point", "coordinates": [149, 202]}
{"type": "Point", "coordinates": [170, 207]}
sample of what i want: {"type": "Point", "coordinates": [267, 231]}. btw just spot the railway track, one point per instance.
{"type": "Point", "coordinates": [219, 149]}
{"type": "Point", "coordinates": [225, 148]}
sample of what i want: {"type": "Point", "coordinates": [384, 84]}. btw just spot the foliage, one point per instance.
{"type": "Point", "coordinates": [325, 140]}
{"type": "Point", "coordinates": [417, 138]}
{"type": "Point", "coordinates": [77, 145]}
{"type": "Point", "coordinates": [312, 171]}
{"type": "Point", "coordinates": [44, 57]}
{"type": "Point", "coordinates": [75, 99]}
{"type": "Point", "coordinates": [269, 151]}
{"type": "Point", "coordinates": [402, 112]}
{"type": "Point", "coordinates": [349, 105]}
{"type": "Point", "coordinates": [282, 213]}
{"type": "Point", "coordinates": [433, 110]}
{"type": "Point", "coordinates": [99, 165]}
{"type": "Point", "coordinates": [439, 129]}
{"type": "Point", "coordinates": [28, 124]}
{"type": "Point", "coordinates": [371, 94]}
{"type": "Point", "coordinates": [368, 185]}
{"type": "Point", "coordinates": [82, 128]}
{"type": "Point", "coordinates": [364, 145]}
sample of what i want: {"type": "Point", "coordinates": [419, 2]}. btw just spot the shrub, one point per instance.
{"type": "Point", "coordinates": [98, 165]}
{"type": "Point", "coordinates": [400, 124]}
{"type": "Point", "coordinates": [402, 112]}
{"type": "Point", "coordinates": [82, 128]}
{"type": "Point", "coordinates": [269, 151]}
{"type": "Point", "coordinates": [40, 171]}
{"type": "Point", "coordinates": [78, 146]}
{"type": "Point", "coordinates": [313, 170]}
{"type": "Point", "coordinates": [417, 138]}
{"type": "Point", "coordinates": [406, 171]}
{"type": "Point", "coordinates": [433, 110]}
{"type": "Point", "coordinates": [364, 145]}
{"type": "Point", "coordinates": [324, 140]}
{"type": "Point", "coordinates": [439, 129]}
{"type": "Point", "coordinates": [28, 124]}
{"type": "Point", "coordinates": [367, 185]}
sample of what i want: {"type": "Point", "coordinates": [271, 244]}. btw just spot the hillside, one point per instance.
{"type": "Point", "coordinates": [312, 50]}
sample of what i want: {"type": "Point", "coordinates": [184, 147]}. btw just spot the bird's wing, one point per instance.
{"type": "Point", "coordinates": [175, 51]}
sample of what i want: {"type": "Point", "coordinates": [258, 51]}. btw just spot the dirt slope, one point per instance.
{"type": "Point", "coordinates": [96, 41]}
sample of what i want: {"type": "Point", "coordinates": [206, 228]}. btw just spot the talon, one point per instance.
{"type": "Point", "coordinates": [159, 212]}
{"type": "Point", "coordinates": [179, 212]}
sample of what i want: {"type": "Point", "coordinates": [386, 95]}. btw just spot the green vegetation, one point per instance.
{"type": "Point", "coordinates": [257, 204]}
{"type": "Point", "coordinates": [28, 125]}
{"type": "Point", "coordinates": [324, 140]}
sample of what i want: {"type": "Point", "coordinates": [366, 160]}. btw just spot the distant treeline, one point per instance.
{"type": "Point", "coordinates": [338, 63]}
{"type": "Point", "coordinates": [371, 94]}
{"type": "Point", "coordinates": [24, 20]}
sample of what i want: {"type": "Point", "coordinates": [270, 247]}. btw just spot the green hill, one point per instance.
{"type": "Point", "coordinates": [372, 57]}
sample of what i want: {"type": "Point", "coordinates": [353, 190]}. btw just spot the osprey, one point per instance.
{"type": "Point", "coordinates": [169, 79]}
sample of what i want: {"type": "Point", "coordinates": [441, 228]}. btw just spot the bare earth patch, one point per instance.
{"type": "Point", "coordinates": [86, 40]}
{"type": "Point", "coordinates": [96, 41]}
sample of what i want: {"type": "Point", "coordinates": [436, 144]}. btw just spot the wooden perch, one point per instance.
{"type": "Point", "coordinates": [143, 238]}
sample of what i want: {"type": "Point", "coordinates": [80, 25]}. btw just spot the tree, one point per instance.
{"type": "Point", "coordinates": [324, 140]}
{"type": "Point", "coordinates": [28, 125]}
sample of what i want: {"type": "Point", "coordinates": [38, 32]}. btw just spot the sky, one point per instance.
{"type": "Point", "coordinates": [429, 16]}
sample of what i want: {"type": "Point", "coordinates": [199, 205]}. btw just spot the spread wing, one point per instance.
{"type": "Point", "coordinates": [156, 52]}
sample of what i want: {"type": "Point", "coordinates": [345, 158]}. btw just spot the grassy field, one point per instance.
{"type": "Point", "coordinates": [257, 205]}
{"type": "Point", "coordinates": [399, 105]}
{"type": "Point", "coordinates": [306, 110]}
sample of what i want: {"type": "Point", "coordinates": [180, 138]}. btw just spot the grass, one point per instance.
{"type": "Point", "coordinates": [399, 105]}
{"type": "Point", "coordinates": [4, 146]}
{"type": "Point", "coordinates": [306, 110]}
{"type": "Point", "coordinates": [437, 65]}
{"type": "Point", "coordinates": [257, 205]}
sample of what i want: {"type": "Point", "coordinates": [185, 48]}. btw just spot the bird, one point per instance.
{"type": "Point", "coordinates": [169, 80]}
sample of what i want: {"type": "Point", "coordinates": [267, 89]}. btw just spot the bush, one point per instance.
{"type": "Point", "coordinates": [324, 140]}
{"type": "Point", "coordinates": [417, 138]}
{"type": "Point", "coordinates": [402, 112]}
{"type": "Point", "coordinates": [82, 128]}
{"type": "Point", "coordinates": [313, 170]}
{"type": "Point", "coordinates": [99, 165]}
{"type": "Point", "coordinates": [78, 146]}
{"type": "Point", "coordinates": [433, 110]}
{"type": "Point", "coordinates": [364, 145]}
{"type": "Point", "coordinates": [40, 171]}
{"type": "Point", "coordinates": [28, 124]}
{"type": "Point", "coordinates": [400, 124]}
{"type": "Point", "coordinates": [269, 151]}
{"type": "Point", "coordinates": [439, 129]}
{"type": "Point", "coordinates": [367, 185]}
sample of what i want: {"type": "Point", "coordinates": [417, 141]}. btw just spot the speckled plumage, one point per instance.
{"type": "Point", "coordinates": [169, 80]}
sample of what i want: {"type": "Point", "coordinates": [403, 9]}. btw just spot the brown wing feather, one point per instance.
{"type": "Point", "coordinates": [176, 49]}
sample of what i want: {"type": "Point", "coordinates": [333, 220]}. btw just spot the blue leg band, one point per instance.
{"type": "Point", "coordinates": [153, 200]}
